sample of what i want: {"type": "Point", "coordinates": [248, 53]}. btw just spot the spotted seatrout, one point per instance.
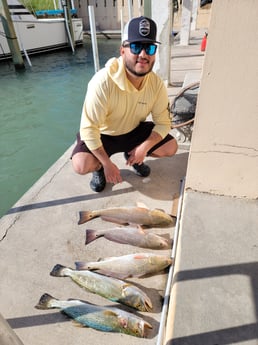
{"type": "Point", "coordinates": [129, 215]}
{"type": "Point", "coordinates": [132, 265]}
{"type": "Point", "coordinates": [111, 288]}
{"type": "Point", "coordinates": [107, 319]}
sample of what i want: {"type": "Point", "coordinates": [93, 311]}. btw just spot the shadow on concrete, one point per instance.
{"type": "Point", "coordinates": [164, 182]}
{"type": "Point", "coordinates": [63, 201]}
{"type": "Point", "coordinates": [234, 335]}
{"type": "Point", "coordinates": [228, 335]}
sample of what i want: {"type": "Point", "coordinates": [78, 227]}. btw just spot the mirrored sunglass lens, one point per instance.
{"type": "Point", "coordinates": [136, 48]}
{"type": "Point", "coordinates": [151, 49]}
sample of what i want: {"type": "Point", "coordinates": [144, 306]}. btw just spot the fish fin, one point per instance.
{"type": "Point", "coordinates": [141, 229]}
{"type": "Point", "coordinates": [113, 220]}
{"type": "Point", "coordinates": [110, 313]}
{"type": "Point", "coordinates": [160, 209]}
{"type": "Point", "coordinates": [91, 235]}
{"type": "Point", "coordinates": [147, 325]}
{"type": "Point", "coordinates": [81, 265]}
{"type": "Point", "coordinates": [139, 256]}
{"type": "Point", "coordinates": [112, 274]}
{"type": "Point", "coordinates": [57, 271]}
{"type": "Point", "coordinates": [45, 301]}
{"type": "Point", "coordinates": [78, 324]}
{"type": "Point", "coordinates": [85, 216]}
{"type": "Point", "coordinates": [142, 205]}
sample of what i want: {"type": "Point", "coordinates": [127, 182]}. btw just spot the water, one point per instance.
{"type": "Point", "coordinates": [40, 112]}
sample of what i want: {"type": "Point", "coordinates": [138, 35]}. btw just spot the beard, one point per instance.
{"type": "Point", "coordinates": [132, 70]}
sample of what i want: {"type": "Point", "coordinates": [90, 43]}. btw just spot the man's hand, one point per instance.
{"type": "Point", "coordinates": [137, 155]}
{"type": "Point", "coordinates": [112, 173]}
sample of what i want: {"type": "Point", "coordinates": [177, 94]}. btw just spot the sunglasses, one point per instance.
{"type": "Point", "coordinates": [136, 48]}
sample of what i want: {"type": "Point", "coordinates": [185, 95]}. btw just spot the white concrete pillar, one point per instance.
{"type": "Point", "coordinates": [187, 6]}
{"type": "Point", "coordinates": [162, 14]}
{"type": "Point", "coordinates": [194, 14]}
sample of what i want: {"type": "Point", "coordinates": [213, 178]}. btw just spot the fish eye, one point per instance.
{"type": "Point", "coordinates": [138, 306]}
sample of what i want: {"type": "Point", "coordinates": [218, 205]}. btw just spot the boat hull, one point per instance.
{"type": "Point", "coordinates": [39, 35]}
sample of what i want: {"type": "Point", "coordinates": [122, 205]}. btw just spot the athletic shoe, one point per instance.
{"type": "Point", "coordinates": [140, 169]}
{"type": "Point", "coordinates": [98, 181]}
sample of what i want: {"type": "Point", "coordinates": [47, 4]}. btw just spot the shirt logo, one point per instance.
{"type": "Point", "coordinates": [144, 27]}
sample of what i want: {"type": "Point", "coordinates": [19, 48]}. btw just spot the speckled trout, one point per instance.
{"type": "Point", "coordinates": [129, 215]}
{"type": "Point", "coordinates": [134, 236]}
{"type": "Point", "coordinates": [107, 319]}
{"type": "Point", "coordinates": [111, 288]}
{"type": "Point", "coordinates": [132, 265]}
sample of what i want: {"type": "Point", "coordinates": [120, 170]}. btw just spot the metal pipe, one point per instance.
{"type": "Point", "coordinates": [164, 311]}
{"type": "Point", "coordinates": [68, 23]}
{"type": "Point", "coordinates": [130, 9]}
{"type": "Point", "coordinates": [122, 24]}
{"type": "Point", "coordinates": [94, 38]}
{"type": "Point", "coordinates": [23, 49]}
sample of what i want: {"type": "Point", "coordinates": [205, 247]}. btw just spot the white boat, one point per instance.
{"type": "Point", "coordinates": [36, 34]}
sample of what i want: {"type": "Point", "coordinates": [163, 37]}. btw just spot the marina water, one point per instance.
{"type": "Point", "coordinates": [40, 110]}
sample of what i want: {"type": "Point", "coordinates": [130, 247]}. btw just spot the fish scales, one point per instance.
{"type": "Point", "coordinates": [134, 236]}
{"type": "Point", "coordinates": [111, 288]}
{"type": "Point", "coordinates": [129, 215]}
{"type": "Point", "coordinates": [108, 319]}
{"type": "Point", "coordinates": [132, 265]}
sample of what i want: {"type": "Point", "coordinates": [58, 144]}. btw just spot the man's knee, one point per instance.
{"type": "Point", "coordinates": [173, 147]}
{"type": "Point", "coordinates": [78, 168]}
{"type": "Point", "coordinates": [79, 164]}
{"type": "Point", "coordinates": [168, 149]}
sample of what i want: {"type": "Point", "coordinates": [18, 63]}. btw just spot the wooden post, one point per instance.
{"type": "Point", "coordinates": [11, 37]}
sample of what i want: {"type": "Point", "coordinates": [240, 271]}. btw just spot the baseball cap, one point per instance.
{"type": "Point", "coordinates": [140, 29]}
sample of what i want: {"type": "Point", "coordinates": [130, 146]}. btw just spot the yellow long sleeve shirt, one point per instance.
{"type": "Point", "coordinates": [113, 106]}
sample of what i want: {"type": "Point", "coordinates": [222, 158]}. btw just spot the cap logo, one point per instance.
{"type": "Point", "coordinates": [144, 27]}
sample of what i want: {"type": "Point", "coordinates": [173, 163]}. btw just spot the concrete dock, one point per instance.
{"type": "Point", "coordinates": [214, 299]}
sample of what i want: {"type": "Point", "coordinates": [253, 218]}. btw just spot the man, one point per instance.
{"type": "Point", "coordinates": [119, 98]}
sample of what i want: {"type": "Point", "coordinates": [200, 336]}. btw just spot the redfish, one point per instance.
{"type": "Point", "coordinates": [107, 319]}
{"type": "Point", "coordinates": [134, 236]}
{"type": "Point", "coordinates": [129, 215]}
{"type": "Point", "coordinates": [132, 265]}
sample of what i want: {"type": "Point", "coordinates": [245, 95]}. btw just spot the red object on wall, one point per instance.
{"type": "Point", "coordinates": [204, 42]}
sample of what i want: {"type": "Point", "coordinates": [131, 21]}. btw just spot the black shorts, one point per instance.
{"type": "Point", "coordinates": [125, 142]}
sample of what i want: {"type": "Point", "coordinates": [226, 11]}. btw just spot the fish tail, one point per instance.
{"type": "Point", "coordinates": [45, 302]}
{"type": "Point", "coordinates": [85, 216]}
{"type": "Point", "coordinates": [91, 235]}
{"type": "Point", "coordinates": [147, 325]}
{"type": "Point", "coordinates": [58, 271]}
{"type": "Point", "coordinates": [81, 265]}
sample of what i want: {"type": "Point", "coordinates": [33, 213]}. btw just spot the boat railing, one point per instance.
{"type": "Point", "coordinates": [53, 13]}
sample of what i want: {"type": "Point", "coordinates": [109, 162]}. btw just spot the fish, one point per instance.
{"type": "Point", "coordinates": [106, 319]}
{"type": "Point", "coordinates": [135, 236]}
{"type": "Point", "coordinates": [129, 215]}
{"type": "Point", "coordinates": [126, 266]}
{"type": "Point", "coordinates": [111, 288]}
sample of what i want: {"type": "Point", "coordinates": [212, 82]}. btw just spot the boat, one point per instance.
{"type": "Point", "coordinates": [44, 31]}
